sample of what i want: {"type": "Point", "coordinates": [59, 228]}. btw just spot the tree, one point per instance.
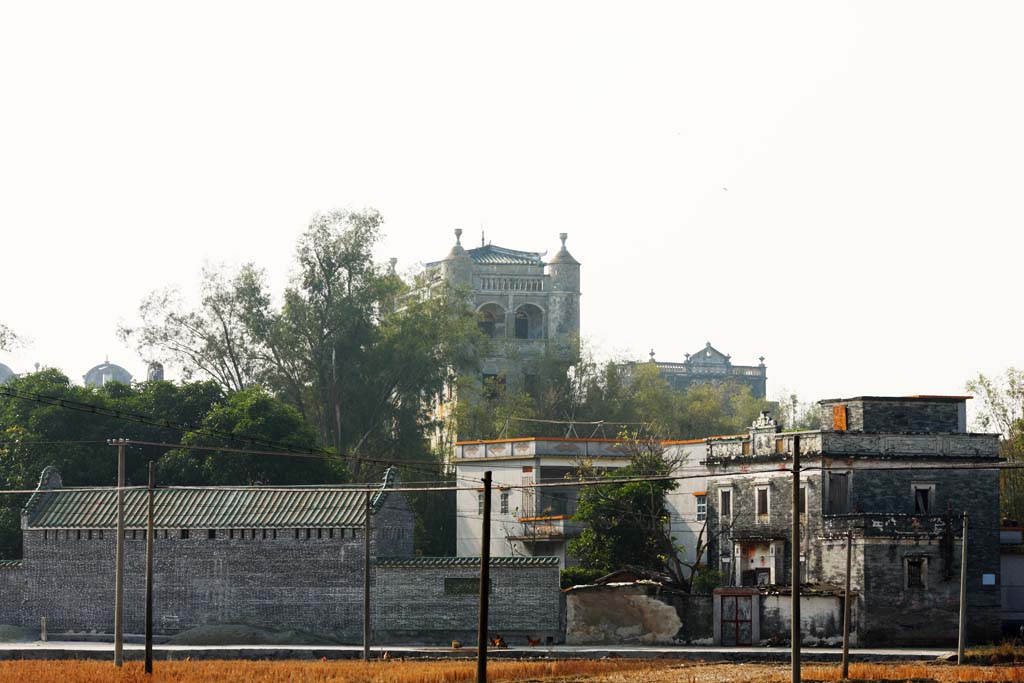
{"type": "Point", "coordinates": [349, 348]}
{"type": "Point", "coordinates": [8, 338]}
{"type": "Point", "coordinates": [1002, 410]}
{"type": "Point", "coordinates": [627, 524]}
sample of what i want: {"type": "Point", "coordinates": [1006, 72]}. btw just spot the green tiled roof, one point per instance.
{"type": "Point", "coordinates": [466, 562]}
{"type": "Point", "coordinates": [276, 508]}
{"type": "Point", "coordinates": [491, 255]}
{"type": "Point", "coordinates": [10, 564]}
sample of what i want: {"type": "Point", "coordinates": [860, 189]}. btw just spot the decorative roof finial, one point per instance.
{"type": "Point", "coordinates": [458, 236]}
{"type": "Point", "coordinates": [651, 354]}
{"type": "Point", "coordinates": [563, 236]}
{"type": "Point", "coordinates": [761, 358]}
{"type": "Point", "coordinates": [393, 262]}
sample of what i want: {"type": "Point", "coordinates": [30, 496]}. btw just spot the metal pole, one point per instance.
{"type": "Point", "coordinates": [149, 567]}
{"type": "Point", "coordinates": [846, 605]}
{"type": "Point", "coordinates": [485, 583]}
{"type": "Point", "coordinates": [366, 582]}
{"type": "Point", "coordinates": [962, 640]}
{"type": "Point", "coordinates": [795, 564]}
{"type": "Point", "coordinates": [119, 560]}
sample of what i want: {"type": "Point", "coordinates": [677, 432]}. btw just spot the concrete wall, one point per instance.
{"type": "Point", "coordinates": [821, 619]}
{"type": "Point", "coordinates": [636, 614]}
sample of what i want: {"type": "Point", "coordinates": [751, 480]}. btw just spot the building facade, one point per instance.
{"type": "Point", "coordinates": [529, 520]}
{"type": "Point", "coordinates": [709, 365]}
{"type": "Point", "coordinates": [896, 473]}
{"type": "Point", "coordinates": [278, 558]}
{"type": "Point", "coordinates": [526, 306]}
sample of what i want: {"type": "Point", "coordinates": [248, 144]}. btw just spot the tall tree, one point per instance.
{"type": "Point", "coordinates": [349, 347]}
{"type": "Point", "coordinates": [1002, 410]}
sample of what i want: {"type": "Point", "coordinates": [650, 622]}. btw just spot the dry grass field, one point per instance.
{"type": "Point", "coordinates": [569, 671]}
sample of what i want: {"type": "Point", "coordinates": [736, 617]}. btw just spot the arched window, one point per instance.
{"type": "Point", "coordinates": [529, 322]}
{"type": "Point", "coordinates": [491, 319]}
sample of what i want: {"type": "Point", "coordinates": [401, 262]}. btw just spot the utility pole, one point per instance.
{"type": "Point", "coordinates": [962, 640]}
{"type": "Point", "coordinates": [149, 567]}
{"type": "Point", "coordinates": [485, 583]}
{"type": "Point", "coordinates": [366, 582]}
{"type": "Point", "coordinates": [119, 560]}
{"type": "Point", "coordinates": [846, 605]}
{"type": "Point", "coordinates": [795, 563]}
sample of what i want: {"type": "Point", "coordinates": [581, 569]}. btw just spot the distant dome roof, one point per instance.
{"type": "Point", "coordinates": [6, 374]}
{"type": "Point", "coordinates": [107, 372]}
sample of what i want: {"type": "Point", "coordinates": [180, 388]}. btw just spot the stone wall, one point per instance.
{"type": "Point", "coordinates": [412, 604]}
{"type": "Point", "coordinates": [896, 416]}
{"type": "Point", "coordinates": [821, 619]}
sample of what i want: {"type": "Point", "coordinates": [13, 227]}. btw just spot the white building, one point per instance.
{"type": "Point", "coordinates": [538, 521]}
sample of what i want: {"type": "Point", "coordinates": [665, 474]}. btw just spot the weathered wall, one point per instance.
{"type": "Point", "coordinates": [821, 619]}
{"type": "Point", "coordinates": [308, 579]}
{"type": "Point", "coordinates": [640, 615]}
{"type": "Point", "coordinates": [411, 605]}
{"type": "Point", "coordinates": [897, 416]}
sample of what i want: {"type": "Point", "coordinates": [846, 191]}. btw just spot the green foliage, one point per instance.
{"type": "Point", "coordinates": [250, 414]}
{"type": "Point", "coordinates": [705, 580]}
{"type": "Point", "coordinates": [1002, 410]}
{"type": "Point", "coordinates": [627, 524]}
{"type": "Point", "coordinates": [579, 576]}
{"type": "Point", "coordinates": [351, 348]}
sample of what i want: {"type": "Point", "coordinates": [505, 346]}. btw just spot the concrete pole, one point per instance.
{"type": "Point", "coordinates": [119, 560]}
{"type": "Point", "coordinates": [366, 581]}
{"type": "Point", "coordinates": [795, 564]}
{"type": "Point", "coordinates": [846, 605]}
{"type": "Point", "coordinates": [149, 567]}
{"type": "Point", "coordinates": [961, 645]}
{"type": "Point", "coordinates": [485, 583]}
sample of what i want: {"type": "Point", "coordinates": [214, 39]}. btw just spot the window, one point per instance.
{"type": "Point", "coordinates": [839, 418]}
{"type": "Point", "coordinates": [504, 502]}
{"type": "Point", "coordinates": [183, 533]}
{"type": "Point", "coordinates": [838, 493]}
{"type": "Point", "coordinates": [726, 568]}
{"type": "Point", "coordinates": [725, 504]}
{"type": "Point", "coordinates": [479, 503]}
{"type": "Point", "coordinates": [924, 498]}
{"type": "Point", "coordinates": [702, 508]}
{"type": "Point", "coordinates": [762, 503]}
{"type": "Point", "coordinates": [802, 501]}
{"type": "Point", "coordinates": [522, 325]}
{"type": "Point", "coordinates": [916, 575]}
{"type": "Point", "coordinates": [746, 448]}
{"type": "Point", "coordinates": [211, 533]}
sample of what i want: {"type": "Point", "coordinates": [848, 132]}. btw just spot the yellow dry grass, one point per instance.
{"type": "Point", "coordinates": [335, 671]}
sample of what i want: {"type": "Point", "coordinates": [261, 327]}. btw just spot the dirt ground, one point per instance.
{"type": "Point", "coordinates": [780, 673]}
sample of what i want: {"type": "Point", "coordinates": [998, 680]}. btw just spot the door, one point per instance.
{"type": "Point", "coordinates": [737, 626]}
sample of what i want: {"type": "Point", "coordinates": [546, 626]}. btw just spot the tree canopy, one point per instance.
{"type": "Point", "coordinates": [1002, 410]}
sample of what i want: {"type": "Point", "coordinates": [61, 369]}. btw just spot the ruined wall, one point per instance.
{"type": "Point", "coordinates": [413, 604]}
{"type": "Point", "coordinates": [638, 615]}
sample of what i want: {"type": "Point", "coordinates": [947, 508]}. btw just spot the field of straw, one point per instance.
{"type": "Point", "coordinates": [570, 671]}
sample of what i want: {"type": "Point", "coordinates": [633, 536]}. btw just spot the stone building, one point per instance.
{"type": "Point", "coordinates": [710, 365]}
{"type": "Point", "coordinates": [892, 471]}
{"type": "Point", "coordinates": [526, 305]}
{"type": "Point", "coordinates": [106, 372]}
{"type": "Point", "coordinates": [279, 558]}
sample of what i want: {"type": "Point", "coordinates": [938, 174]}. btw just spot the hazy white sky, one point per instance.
{"type": "Point", "coordinates": [836, 186]}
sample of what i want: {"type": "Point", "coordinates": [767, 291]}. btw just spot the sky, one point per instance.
{"type": "Point", "coordinates": [834, 186]}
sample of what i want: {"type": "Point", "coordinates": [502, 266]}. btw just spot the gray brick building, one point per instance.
{"type": "Point", "coordinates": [275, 557]}
{"type": "Point", "coordinates": [891, 470]}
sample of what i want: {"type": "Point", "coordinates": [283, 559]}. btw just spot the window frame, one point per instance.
{"type": "Point", "coordinates": [723, 494]}
{"type": "Point", "coordinates": [701, 500]}
{"type": "Point", "coordinates": [922, 584]}
{"type": "Point", "coordinates": [504, 502]}
{"type": "Point", "coordinates": [923, 486]}
{"type": "Point", "coordinates": [763, 517]}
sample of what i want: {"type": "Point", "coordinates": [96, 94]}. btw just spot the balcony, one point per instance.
{"type": "Point", "coordinates": [546, 528]}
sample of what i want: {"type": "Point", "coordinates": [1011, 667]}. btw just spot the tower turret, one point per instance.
{"type": "Point", "coordinates": [458, 265]}
{"type": "Point", "coordinates": [564, 313]}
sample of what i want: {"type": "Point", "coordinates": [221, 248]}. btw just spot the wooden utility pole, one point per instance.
{"type": "Point", "coordinates": [962, 639]}
{"type": "Point", "coordinates": [485, 583]}
{"type": "Point", "coordinates": [149, 567]}
{"type": "Point", "coordinates": [846, 605]}
{"type": "Point", "coordinates": [366, 581]}
{"type": "Point", "coordinates": [119, 560]}
{"type": "Point", "coordinates": [795, 563]}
